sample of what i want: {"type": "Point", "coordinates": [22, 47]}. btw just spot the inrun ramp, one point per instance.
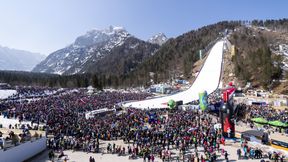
{"type": "Point", "coordinates": [208, 79]}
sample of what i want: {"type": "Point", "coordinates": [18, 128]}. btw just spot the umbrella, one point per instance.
{"type": "Point", "coordinates": [171, 104]}
{"type": "Point", "coordinates": [278, 123]}
{"type": "Point", "coordinates": [144, 128]}
{"type": "Point", "coordinates": [192, 129]}
{"type": "Point", "coordinates": [259, 120]}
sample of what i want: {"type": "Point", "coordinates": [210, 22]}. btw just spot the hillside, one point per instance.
{"type": "Point", "coordinates": [258, 59]}
{"type": "Point", "coordinates": [253, 60]}
{"type": "Point", "coordinates": [177, 56]}
{"type": "Point", "coordinates": [122, 59]}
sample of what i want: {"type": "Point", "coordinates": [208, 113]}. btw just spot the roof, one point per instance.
{"type": "Point", "coordinates": [255, 133]}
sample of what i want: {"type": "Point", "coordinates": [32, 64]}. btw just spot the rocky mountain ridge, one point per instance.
{"type": "Point", "coordinates": [86, 53]}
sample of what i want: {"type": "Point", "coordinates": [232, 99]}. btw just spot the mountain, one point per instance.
{"type": "Point", "coordinates": [178, 56]}
{"type": "Point", "coordinates": [89, 51]}
{"type": "Point", "coordinates": [13, 59]}
{"type": "Point", "coordinates": [260, 58]}
{"type": "Point", "coordinates": [122, 59]}
{"type": "Point", "coordinates": [159, 39]}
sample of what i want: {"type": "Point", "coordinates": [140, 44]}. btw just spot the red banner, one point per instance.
{"type": "Point", "coordinates": [228, 126]}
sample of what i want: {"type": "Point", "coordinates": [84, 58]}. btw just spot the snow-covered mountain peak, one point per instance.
{"type": "Point", "coordinates": [159, 39]}
{"type": "Point", "coordinates": [92, 46]}
{"type": "Point", "coordinates": [108, 31]}
{"type": "Point", "coordinates": [112, 33]}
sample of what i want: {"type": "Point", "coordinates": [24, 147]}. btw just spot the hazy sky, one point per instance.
{"type": "Point", "coordinates": [48, 25]}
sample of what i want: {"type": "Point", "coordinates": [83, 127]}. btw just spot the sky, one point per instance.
{"type": "Point", "coordinates": [45, 26]}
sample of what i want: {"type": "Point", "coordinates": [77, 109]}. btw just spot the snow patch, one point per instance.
{"type": "Point", "coordinates": [67, 54]}
{"type": "Point", "coordinates": [6, 93]}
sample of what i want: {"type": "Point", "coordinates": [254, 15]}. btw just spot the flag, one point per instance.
{"type": "Point", "coordinates": [82, 101]}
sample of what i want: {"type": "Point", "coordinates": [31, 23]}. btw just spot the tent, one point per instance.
{"type": "Point", "coordinates": [259, 120]}
{"type": "Point", "coordinates": [278, 123]}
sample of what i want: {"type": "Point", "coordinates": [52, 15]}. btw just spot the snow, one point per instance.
{"type": "Point", "coordinates": [91, 50]}
{"type": "Point", "coordinates": [67, 54]}
{"type": "Point", "coordinates": [133, 46]}
{"type": "Point", "coordinates": [76, 70]}
{"type": "Point", "coordinates": [59, 72]}
{"type": "Point", "coordinates": [208, 79]}
{"type": "Point", "coordinates": [159, 39]}
{"type": "Point", "coordinates": [118, 28]}
{"type": "Point", "coordinates": [107, 31]}
{"type": "Point", "coordinates": [6, 93]}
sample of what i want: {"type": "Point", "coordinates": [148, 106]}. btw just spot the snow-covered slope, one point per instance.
{"type": "Point", "coordinates": [6, 93]}
{"type": "Point", "coordinates": [94, 45]}
{"type": "Point", "coordinates": [12, 59]}
{"type": "Point", "coordinates": [159, 39]}
{"type": "Point", "coordinates": [208, 79]}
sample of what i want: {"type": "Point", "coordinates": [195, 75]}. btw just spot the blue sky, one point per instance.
{"type": "Point", "coordinates": [46, 26]}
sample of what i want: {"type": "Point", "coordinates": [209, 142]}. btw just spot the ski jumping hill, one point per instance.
{"type": "Point", "coordinates": [208, 79]}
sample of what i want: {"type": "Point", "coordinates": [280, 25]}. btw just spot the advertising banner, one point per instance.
{"type": "Point", "coordinates": [203, 100]}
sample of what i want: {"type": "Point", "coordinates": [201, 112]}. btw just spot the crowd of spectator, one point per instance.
{"type": "Point", "coordinates": [246, 113]}
{"type": "Point", "coordinates": [74, 103]}
{"type": "Point", "coordinates": [148, 133]}
{"type": "Point", "coordinates": [268, 112]}
{"type": "Point", "coordinates": [33, 92]}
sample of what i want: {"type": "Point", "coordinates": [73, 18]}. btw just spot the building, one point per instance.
{"type": "Point", "coordinates": [5, 86]}
{"type": "Point", "coordinates": [160, 88]}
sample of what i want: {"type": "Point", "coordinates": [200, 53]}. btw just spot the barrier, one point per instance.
{"type": "Point", "coordinates": [281, 145]}
{"type": "Point", "coordinates": [91, 114]}
{"type": "Point", "coordinates": [23, 151]}
{"type": "Point", "coordinates": [5, 122]}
